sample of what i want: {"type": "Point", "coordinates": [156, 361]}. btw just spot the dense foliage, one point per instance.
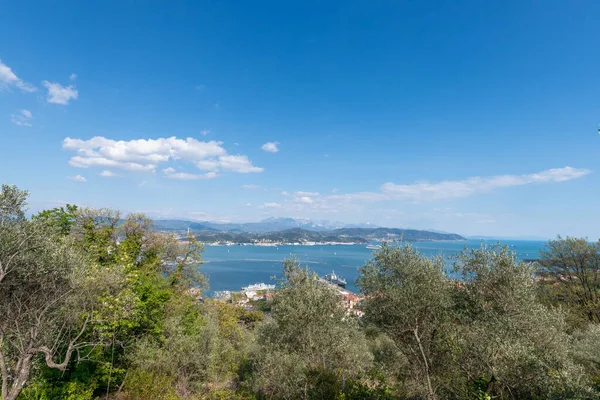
{"type": "Point", "coordinates": [95, 305]}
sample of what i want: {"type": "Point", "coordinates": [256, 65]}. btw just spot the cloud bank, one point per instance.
{"type": "Point", "coordinates": [425, 192]}
{"type": "Point", "coordinates": [475, 185]}
{"type": "Point", "coordinates": [144, 155]}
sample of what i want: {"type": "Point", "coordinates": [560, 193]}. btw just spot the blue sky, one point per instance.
{"type": "Point", "coordinates": [470, 117]}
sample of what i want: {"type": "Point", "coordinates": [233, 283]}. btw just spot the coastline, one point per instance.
{"type": "Point", "coordinates": [275, 244]}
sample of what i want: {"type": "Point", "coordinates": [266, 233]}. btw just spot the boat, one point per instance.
{"type": "Point", "coordinates": [336, 280]}
{"type": "Point", "coordinates": [373, 246]}
{"type": "Point", "coordinates": [258, 286]}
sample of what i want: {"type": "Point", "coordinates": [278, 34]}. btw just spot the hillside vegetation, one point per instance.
{"type": "Point", "coordinates": [95, 305]}
{"type": "Point", "coordinates": [344, 235]}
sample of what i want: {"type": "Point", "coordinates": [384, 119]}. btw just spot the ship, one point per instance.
{"type": "Point", "coordinates": [373, 247]}
{"type": "Point", "coordinates": [336, 280]}
{"type": "Point", "coordinates": [258, 286]}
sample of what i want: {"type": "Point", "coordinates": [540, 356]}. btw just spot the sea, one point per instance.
{"type": "Point", "coordinates": [233, 267]}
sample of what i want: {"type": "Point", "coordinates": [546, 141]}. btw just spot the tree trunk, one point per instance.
{"type": "Point", "coordinates": [432, 395]}
{"type": "Point", "coordinates": [21, 378]}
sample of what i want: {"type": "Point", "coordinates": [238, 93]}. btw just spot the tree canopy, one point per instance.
{"type": "Point", "coordinates": [99, 305]}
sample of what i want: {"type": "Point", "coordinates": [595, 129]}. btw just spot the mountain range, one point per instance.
{"type": "Point", "coordinates": [291, 230]}
{"type": "Point", "coordinates": [271, 224]}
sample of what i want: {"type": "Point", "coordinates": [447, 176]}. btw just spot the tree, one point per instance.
{"type": "Point", "coordinates": [60, 218]}
{"type": "Point", "coordinates": [47, 292]}
{"type": "Point", "coordinates": [15, 231]}
{"type": "Point", "coordinates": [407, 297]}
{"type": "Point", "coordinates": [507, 344]}
{"type": "Point", "coordinates": [309, 348]}
{"type": "Point", "coordinates": [148, 270]}
{"type": "Point", "coordinates": [570, 274]}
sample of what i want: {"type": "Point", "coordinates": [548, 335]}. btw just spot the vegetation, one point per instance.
{"type": "Point", "coordinates": [345, 235]}
{"type": "Point", "coordinates": [95, 305]}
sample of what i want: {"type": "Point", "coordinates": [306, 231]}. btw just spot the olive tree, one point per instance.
{"type": "Point", "coordinates": [509, 345]}
{"type": "Point", "coordinates": [407, 297]}
{"type": "Point", "coordinates": [47, 293]}
{"type": "Point", "coordinates": [310, 347]}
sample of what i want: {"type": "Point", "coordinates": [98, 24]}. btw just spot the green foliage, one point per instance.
{"type": "Point", "coordinates": [309, 347]}
{"type": "Point", "coordinates": [586, 351]}
{"type": "Point", "coordinates": [408, 298]}
{"type": "Point", "coordinates": [62, 219]}
{"type": "Point", "coordinates": [569, 272]}
{"type": "Point", "coordinates": [200, 351]}
{"type": "Point", "coordinates": [123, 306]}
{"type": "Point", "coordinates": [47, 296]}
{"type": "Point", "coordinates": [46, 390]}
{"type": "Point", "coordinates": [507, 343]}
{"type": "Point", "coordinates": [12, 205]}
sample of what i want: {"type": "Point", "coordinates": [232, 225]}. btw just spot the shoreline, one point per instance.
{"type": "Point", "coordinates": [275, 244]}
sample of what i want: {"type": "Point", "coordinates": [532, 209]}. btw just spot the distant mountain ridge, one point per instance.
{"type": "Point", "coordinates": [343, 235]}
{"type": "Point", "coordinates": [269, 231]}
{"type": "Point", "coordinates": [266, 225]}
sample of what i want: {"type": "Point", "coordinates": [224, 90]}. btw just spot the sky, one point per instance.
{"type": "Point", "coordinates": [479, 118]}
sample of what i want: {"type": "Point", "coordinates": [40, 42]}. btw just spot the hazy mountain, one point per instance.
{"type": "Point", "coordinates": [266, 225]}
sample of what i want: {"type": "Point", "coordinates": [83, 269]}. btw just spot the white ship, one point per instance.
{"type": "Point", "coordinates": [373, 246]}
{"type": "Point", "coordinates": [259, 286]}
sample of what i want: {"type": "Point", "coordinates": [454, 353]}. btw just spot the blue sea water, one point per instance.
{"type": "Point", "coordinates": [232, 267]}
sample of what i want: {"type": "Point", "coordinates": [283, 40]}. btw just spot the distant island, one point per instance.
{"type": "Point", "coordinates": [210, 233]}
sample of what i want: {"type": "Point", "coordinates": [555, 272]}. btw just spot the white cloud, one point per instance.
{"type": "Point", "coordinates": [9, 79]}
{"type": "Point", "coordinates": [208, 165]}
{"type": "Point", "coordinates": [421, 192]}
{"type": "Point", "coordinates": [309, 194]}
{"type": "Point", "coordinates": [22, 118]}
{"type": "Point", "coordinates": [303, 197]}
{"type": "Point", "coordinates": [270, 147]}
{"type": "Point", "coordinates": [285, 193]}
{"type": "Point", "coordinates": [77, 178]}
{"type": "Point", "coordinates": [73, 77]}
{"type": "Point", "coordinates": [238, 163]}
{"type": "Point", "coordinates": [250, 186]}
{"type": "Point", "coordinates": [107, 173]}
{"type": "Point", "coordinates": [200, 87]}
{"type": "Point", "coordinates": [59, 94]}
{"type": "Point", "coordinates": [475, 185]}
{"type": "Point", "coordinates": [272, 205]}
{"type": "Point", "coordinates": [86, 162]}
{"type": "Point", "coordinates": [205, 132]}
{"type": "Point", "coordinates": [145, 155]}
{"type": "Point", "coordinates": [171, 173]}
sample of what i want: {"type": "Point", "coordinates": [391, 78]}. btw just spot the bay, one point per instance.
{"type": "Point", "coordinates": [232, 267]}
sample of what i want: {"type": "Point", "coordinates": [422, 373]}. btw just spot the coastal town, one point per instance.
{"type": "Point", "coordinates": [257, 297]}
